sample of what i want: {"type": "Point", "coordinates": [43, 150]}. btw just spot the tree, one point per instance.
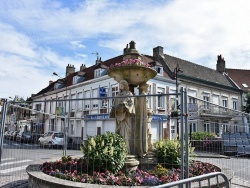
{"type": "Point", "coordinates": [246, 108]}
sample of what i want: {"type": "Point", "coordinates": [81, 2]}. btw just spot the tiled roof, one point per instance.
{"type": "Point", "coordinates": [240, 77]}
{"type": "Point", "coordinates": [89, 71]}
{"type": "Point", "coordinates": [196, 71]}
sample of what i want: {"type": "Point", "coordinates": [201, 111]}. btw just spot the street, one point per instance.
{"type": "Point", "coordinates": [17, 156]}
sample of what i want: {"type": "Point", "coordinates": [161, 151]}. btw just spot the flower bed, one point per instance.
{"type": "Point", "coordinates": [78, 171]}
{"type": "Point", "coordinates": [130, 62]}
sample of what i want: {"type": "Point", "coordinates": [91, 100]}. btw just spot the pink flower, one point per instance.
{"type": "Point", "coordinates": [83, 180]}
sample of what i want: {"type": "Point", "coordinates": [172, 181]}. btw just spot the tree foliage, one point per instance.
{"type": "Point", "coordinates": [246, 108]}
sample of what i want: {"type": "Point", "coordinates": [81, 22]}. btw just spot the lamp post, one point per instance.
{"type": "Point", "coordinates": [176, 70]}
{"type": "Point", "coordinates": [64, 124]}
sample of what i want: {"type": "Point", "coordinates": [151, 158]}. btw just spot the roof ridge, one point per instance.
{"type": "Point", "coordinates": [237, 69]}
{"type": "Point", "coordinates": [191, 62]}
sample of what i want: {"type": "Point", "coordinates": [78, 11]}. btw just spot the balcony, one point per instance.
{"type": "Point", "coordinates": [216, 111]}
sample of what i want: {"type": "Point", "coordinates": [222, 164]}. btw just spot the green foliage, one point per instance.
{"type": "Point", "coordinates": [246, 108]}
{"type": "Point", "coordinates": [66, 159]}
{"type": "Point", "coordinates": [160, 171]}
{"type": "Point", "coordinates": [201, 135]}
{"type": "Point", "coordinates": [105, 152]}
{"type": "Point", "coordinates": [168, 152]}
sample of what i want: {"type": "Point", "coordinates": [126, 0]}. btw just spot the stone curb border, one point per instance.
{"type": "Point", "coordinates": [39, 179]}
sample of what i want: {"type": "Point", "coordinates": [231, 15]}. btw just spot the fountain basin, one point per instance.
{"type": "Point", "coordinates": [134, 75]}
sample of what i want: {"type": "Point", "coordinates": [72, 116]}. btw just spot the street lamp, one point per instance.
{"type": "Point", "coordinates": [64, 124]}
{"type": "Point", "coordinates": [176, 70]}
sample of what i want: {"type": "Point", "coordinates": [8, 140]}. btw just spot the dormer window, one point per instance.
{"type": "Point", "coordinates": [58, 86]}
{"type": "Point", "coordinates": [77, 79]}
{"type": "Point", "coordinates": [159, 70]}
{"type": "Point", "coordinates": [97, 73]}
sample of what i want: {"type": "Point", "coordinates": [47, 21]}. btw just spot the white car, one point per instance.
{"type": "Point", "coordinates": [52, 139]}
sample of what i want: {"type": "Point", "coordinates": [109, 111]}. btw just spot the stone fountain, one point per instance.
{"type": "Point", "coordinates": [138, 120]}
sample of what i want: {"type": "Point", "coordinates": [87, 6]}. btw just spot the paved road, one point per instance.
{"type": "Point", "coordinates": [17, 156]}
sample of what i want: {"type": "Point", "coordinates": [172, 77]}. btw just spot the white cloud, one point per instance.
{"type": "Point", "coordinates": [77, 44]}
{"type": "Point", "coordinates": [41, 37]}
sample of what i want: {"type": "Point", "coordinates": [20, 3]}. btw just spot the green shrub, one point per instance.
{"type": "Point", "coordinates": [168, 152]}
{"type": "Point", "coordinates": [66, 159]}
{"type": "Point", "coordinates": [201, 135]}
{"type": "Point", "coordinates": [105, 152]}
{"type": "Point", "coordinates": [160, 171]}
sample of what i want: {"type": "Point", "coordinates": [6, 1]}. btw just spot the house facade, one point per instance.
{"type": "Point", "coordinates": [241, 78]}
{"type": "Point", "coordinates": [80, 103]}
{"type": "Point", "coordinates": [214, 101]}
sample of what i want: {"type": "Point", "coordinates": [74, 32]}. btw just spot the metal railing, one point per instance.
{"type": "Point", "coordinates": [207, 180]}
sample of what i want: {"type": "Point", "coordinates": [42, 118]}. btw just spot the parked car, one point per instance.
{"type": "Point", "coordinates": [35, 136]}
{"type": "Point", "coordinates": [13, 135]}
{"type": "Point", "coordinates": [6, 134]}
{"type": "Point", "coordinates": [74, 143]}
{"type": "Point", "coordinates": [24, 136]}
{"type": "Point", "coordinates": [52, 139]}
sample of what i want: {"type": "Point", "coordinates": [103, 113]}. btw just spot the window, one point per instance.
{"type": "Point", "coordinates": [77, 79]}
{"type": "Point", "coordinates": [224, 103]}
{"type": "Point", "coordinates": [99, 130]}
{"type": "Point", "coordinates": [87, 101]}
{"type": "Point", "coordinates": [51, 125]}
{"type": "Point", "coordinates": [95, 95]}
{"type": "Point", "coordinates": [104, 102]}
{"type": "Point", "coordinates": [79, 102]}
{"type": "Point", "coordinates": [207, 127]}
{"type": "Point", "coordinates": [38, 107]}
{"type": "Point", "coordinates": [192, 127]}
{"type": "Point", "coordinates": [159, 70]}
{"type": "Point", "coordinates": [172, 129]}
{"type": "Point", "coordinates": [66, 103]}
{"type": "Point", "coordinates": [59, 102]}
{"type": "Point", "coordinates": [192, 106]}
{"type": "Point", "coordinates": [225, 126]}
{"type": "Point", "coordinates": [245, 85]}
{"type": "Point", "coordinates": [206, 102]}
{"type": "Point", "coordinates": [97, 73]}
{"type": "Point", "coordinates": [216, 127]}
{"type": "Point", "coordinates": [73, 102]}
{"type": "Point", "coordinates": [58, 86]}
{"type": "Point", "coordinates": [161, 98]}
{"type": "Point", "coordinates": [115, 92]}
{"type": "Point", "coordinates": [235, 105]}
{"type": "Point", "coordinates": [72, 128]}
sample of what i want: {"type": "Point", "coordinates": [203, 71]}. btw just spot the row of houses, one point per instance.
{"type": "Point", "coordinates": [80, 102]}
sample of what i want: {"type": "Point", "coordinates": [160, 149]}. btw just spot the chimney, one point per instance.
{"type": "Point", "coordinates": [98, 60]}
{"type": "Point", "coordinates": [158, 51]}
{"type": "Point", "coordinates": [82, 67]}
{"type": "Point", "coordinates": [50, 82]}
{"type": "Point", "coordinates": [221, 64]}
{"type": "Point", "coordinates": [70, 69]}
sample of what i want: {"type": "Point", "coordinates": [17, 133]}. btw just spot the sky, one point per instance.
{"type": "Point", "coordinates": [39, 37]}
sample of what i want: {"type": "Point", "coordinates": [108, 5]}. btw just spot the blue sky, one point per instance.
{"type": "Point", "coordinates": [39, 37]}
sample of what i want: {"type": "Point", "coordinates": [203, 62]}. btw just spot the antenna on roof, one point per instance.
{"type": "Point", "coordinates": [96, 53]}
